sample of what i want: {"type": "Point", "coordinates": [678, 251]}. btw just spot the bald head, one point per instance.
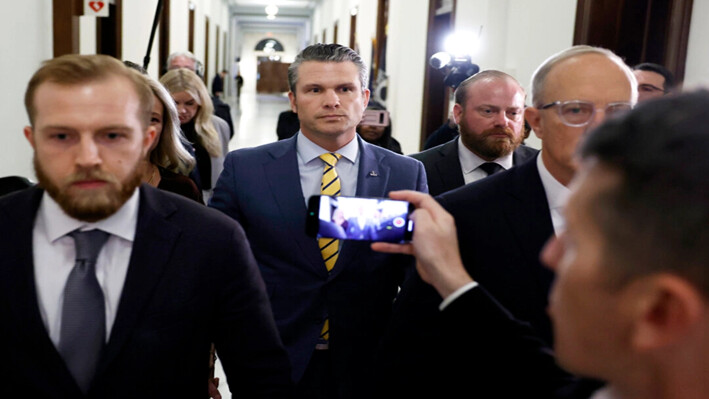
{"type": "Point", "coordinates": [579, 81]}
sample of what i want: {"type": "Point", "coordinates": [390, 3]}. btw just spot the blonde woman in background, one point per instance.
{"type": "Point", "coordinates": [208, 134]}
{"type": "Point", "coordinates": [169, 162]}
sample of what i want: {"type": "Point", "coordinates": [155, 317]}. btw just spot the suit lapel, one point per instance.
{"type": "Point", "coordinates": [23, 291]}
{"type": "Point", "coordinates": [283, 179]}
{"type": "Point", "coordinates": [448, 167]}
{"type": "Point", "coordinates": [20, 287]}
{"type": "Point", "coordinates": [373, 174]}
{"type": "Point", "coordinates": [522, 154]}
{"type": "Point", "coordinates": [527, 212]}
{"type": "Point", "coordinates": [372, 181]}
{"type": "Point", "coordinates": [155, 237]}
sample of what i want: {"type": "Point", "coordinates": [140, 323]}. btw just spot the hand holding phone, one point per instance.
{"type": "Point", "coordinates": [363, 219]}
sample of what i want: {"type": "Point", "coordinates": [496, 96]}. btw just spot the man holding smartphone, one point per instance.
{"type": "Point", "coordinates": [332, 301]}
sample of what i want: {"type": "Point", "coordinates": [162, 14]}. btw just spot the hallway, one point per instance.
{"type": "Point", "coordinates": [255, 118]}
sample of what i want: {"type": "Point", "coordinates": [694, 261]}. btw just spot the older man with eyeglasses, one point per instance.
{"type": "Point", "coordinates": [503, 222]}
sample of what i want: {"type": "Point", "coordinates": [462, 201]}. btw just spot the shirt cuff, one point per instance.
{"type": "Point", "coordinates": [460, 291]}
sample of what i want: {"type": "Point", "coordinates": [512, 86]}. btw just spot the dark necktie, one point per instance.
{"type": "Point", "coordinates": [491, 168]}
{"type": "Point", "coordinates": [83, 329]}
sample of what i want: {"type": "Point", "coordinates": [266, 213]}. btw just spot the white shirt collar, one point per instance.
{"type": "Point", "coordinates": [557, 193]}
{"type": "Point", "coordinates": [469, 161]}
{"type": "Point", "coordinates": [308, 150]}
{"type": "Point", "coordinates": [58, 224]}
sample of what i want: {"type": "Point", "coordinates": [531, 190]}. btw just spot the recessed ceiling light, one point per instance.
{"type": "Point", "coordinates": [271, 9]}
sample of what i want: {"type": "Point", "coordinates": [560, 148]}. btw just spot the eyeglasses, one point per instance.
{"type": "Point", "coordinates": [577, 113]}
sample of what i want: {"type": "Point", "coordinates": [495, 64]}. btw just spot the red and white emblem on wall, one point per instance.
{"type": "Point", "coordinates": [96, 8]}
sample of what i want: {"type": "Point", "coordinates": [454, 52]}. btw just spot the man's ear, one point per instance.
{"type": "Point", "coordinates": [291, 97]}
{"type": "Point", "coordinates": [457, 112]}
{"type": "Point", "coordinates": [366, 94]}
{"type": "Point", "coordinates": [29, 135]}
{"type": "Point", "coordinates": [668, 308]}
{"type": "Point", "coordinates": [533, 117]}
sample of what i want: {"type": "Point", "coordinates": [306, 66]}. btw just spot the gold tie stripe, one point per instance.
{"type": "Point", "coordinates": [329, 247]}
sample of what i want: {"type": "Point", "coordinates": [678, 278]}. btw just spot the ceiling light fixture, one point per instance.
{"type": "Point", "coordinates": [271, 10]}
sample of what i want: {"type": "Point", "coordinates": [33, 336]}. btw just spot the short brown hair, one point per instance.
{"type": "Point", "coordinates": [73, 69]}
{"type": "Point", "coordinates": [461, 92]}
{"type": "Point", "coordinates": [321, 52]}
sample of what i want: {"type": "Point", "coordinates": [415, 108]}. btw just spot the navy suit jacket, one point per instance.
{"type": "Point", "coordinates": [490, 355]}
{"type": "Point", "coordinates": [503, 221]}
{"type": "Point", "coordinates": [260, 187]}
{"type": "Point", "coordinates": [443, 169]}
{"type": "Point", "coordinates": [191, 281]}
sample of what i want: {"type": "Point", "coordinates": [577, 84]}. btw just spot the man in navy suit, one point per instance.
{"type": "Point", "coordinates": [489, 112]}
{"type": "Point", "coordinates": [503, 221]}
{"type": "Point", "coordinates": [266, 189]}
{"type": "Point", "coordinates": [170, 277]}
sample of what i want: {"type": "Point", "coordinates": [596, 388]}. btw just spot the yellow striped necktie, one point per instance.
{"type": "Point", "coordinates": [329, 247]}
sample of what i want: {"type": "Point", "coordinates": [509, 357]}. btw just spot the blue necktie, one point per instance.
{"type": "Point", "coordinates": [83, 329]}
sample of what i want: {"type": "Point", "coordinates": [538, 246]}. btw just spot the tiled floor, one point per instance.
{"type": "Point", "coordinates": [255, 118]}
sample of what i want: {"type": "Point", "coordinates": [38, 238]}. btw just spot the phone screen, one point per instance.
{"type": "Point", "coordinates": [354, 218]}
{"type": "Point", "coordinates": [372, 117]}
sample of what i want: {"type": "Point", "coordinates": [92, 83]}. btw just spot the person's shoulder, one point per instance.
{"type": "Point", "coordinates": [388, 156]}
{"type": "Point", "coordinates": [184, 212]}
{"type": "Point", "coordinates": [17, 198]}
{"type": "Point", "coordinates": [262, 152]}
{"type": "Point", "coordinates": [219, 123]}
{"type": "Point", "coordinates": [436, 151]}
{"type": "Point", "coordinates": [526, 152]}
{"type": "Point", "coordinates": [487, 190]}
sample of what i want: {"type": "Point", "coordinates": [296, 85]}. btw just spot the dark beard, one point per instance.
{"type": "Point", "coordinates": [488, 148]}
{"type": "Point", "coordinates": [95, 206]}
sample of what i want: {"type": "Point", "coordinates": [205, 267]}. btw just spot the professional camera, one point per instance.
{"type": "Point", "coordinates": [455, 68]}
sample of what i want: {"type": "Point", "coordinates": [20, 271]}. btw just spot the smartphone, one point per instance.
{"type": "Point", "coordinates": [356, 218]}
{"type": "Point", "coordinates": [374, 117]}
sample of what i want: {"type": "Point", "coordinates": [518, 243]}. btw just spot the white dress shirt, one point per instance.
{"type": "Point", "coordinates": [54, 257]}
{"type": "Point", "coordinates": [311, 166]}
{"type": "Point", "coordinates": [557, 196]}
{"type": "Point", "coordinates": [470, 163]}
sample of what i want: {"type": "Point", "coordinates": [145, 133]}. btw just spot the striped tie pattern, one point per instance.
{"type": "Point", "coordinates": [329, 247]}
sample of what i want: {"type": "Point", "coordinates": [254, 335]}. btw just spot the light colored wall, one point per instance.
{"type": "Point", "coordinates": [366, 30]}
{"type": "Point", "coordinates": [697, 70]}
{"type": "Point", "coordinates": [405, 66]}
{"type": "Point", "coordinates": [179, 25]}
{"type": "Point", "coordinates": [87, 35]}
{"type": "Point", "coordinates": [137, 23]}
{"type": "Point", "coordinates": [218, 13]}
{"type": "Point", "coordinates": [26, 41]}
